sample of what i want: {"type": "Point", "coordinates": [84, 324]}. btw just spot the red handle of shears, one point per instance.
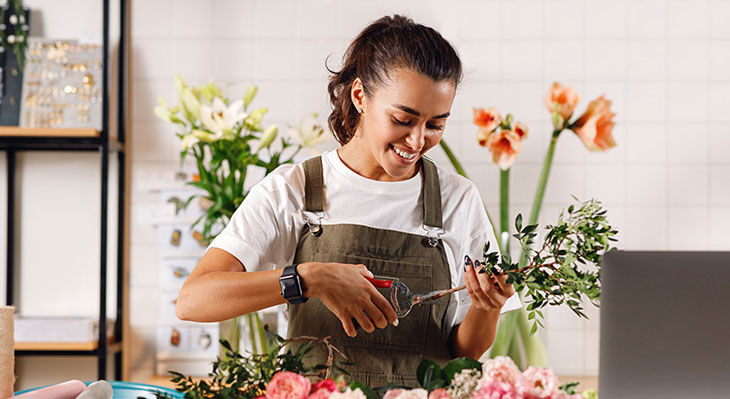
{"type": "Point", "coordinates": [380, 283]}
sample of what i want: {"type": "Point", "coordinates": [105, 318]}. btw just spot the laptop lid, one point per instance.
{"type": "Point", "coordinates": [665, 325]}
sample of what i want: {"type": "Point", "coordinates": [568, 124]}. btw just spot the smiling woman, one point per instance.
{"type": "Point", "coordinates": [376, 206]}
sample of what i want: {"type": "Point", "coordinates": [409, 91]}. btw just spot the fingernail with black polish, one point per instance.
{"type": "Point", "coordinates": [476, 264]}
{"type": "Point", "coordinates": [467, 260]}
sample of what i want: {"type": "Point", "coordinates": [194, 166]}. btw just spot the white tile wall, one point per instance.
{"type": "Point", "coordinates": [664, 63]}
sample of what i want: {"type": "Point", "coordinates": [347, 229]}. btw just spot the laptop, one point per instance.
{"type": "Point", "coordinates": [665, 325]}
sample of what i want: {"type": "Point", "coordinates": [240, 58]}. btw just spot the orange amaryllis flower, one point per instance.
{"type": "Point", "coordinates": [562, 98]}
{"type": "Point", "coordinates": [594, 127]}
{"type": "Point", "coordinates": [504, 146]}
{"type": "Point", "coordinates": [483, 136]}
{"type": "Point", "coordinates": [520, 129]}
{"type": "Point", "coordinates": [487, 118]}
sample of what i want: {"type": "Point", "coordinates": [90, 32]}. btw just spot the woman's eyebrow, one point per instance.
{"type": "Point", "coordinates": [412, 111]}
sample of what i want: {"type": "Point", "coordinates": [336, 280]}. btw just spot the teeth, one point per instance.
{"type": "Point", "coordinates": [404, 154]}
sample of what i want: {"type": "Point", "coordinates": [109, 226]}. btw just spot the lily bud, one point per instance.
{"type": "Point", "coordinates": [249, 94]}
{"type": "Point", "coordinates": [269, 135]}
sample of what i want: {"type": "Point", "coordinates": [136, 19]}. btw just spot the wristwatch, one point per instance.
{"type": "Point", "coordinates": [291, 285]}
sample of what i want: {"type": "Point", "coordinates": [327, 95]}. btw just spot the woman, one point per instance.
{"type": "Point", "coordinates": [373, 207]}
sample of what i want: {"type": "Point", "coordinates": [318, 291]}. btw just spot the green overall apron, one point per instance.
{"type": "Point", "coordinates": [390, 355]}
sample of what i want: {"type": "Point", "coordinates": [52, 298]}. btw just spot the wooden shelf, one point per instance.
{"type": "Point", "coordinates": [60, 346]}
{"type": "Point", "coordinates": [15, 131]}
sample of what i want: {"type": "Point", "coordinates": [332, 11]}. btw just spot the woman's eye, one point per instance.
{"type": "Point", "coordinates": [434, 127]}
{"type": "Point", "coordinates": [402, 123]}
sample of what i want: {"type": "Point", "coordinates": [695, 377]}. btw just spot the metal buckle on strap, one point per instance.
{"type": "Point", "coordinates": [313, 221]}
{"type": "Point", "coordinates": [433, 235]}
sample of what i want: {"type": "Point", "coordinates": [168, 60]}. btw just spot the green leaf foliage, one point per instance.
{"type": "Point", "coordinates": [235, 375]}
{"type": "Point", "coordinates": [430, 375]}
{"type": "Point", "coordinates": [565, 270]}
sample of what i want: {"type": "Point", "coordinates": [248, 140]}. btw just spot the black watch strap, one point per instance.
{"type": "Point", "coordinates": [291, 285]}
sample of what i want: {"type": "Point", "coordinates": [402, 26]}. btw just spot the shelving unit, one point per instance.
{"type": "Point", "coordinates": [15, 139]}
{"type": "Point", "coordinates": [15, 131]}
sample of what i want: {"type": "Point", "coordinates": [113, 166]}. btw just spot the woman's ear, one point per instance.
{"type": "Point", "coordinates": [357, 94]}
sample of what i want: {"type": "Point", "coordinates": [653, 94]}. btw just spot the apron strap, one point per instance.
{"type": "Point", "coordinates": [313, 184]}
{"type": "Point", "coordinates": [432, 216]}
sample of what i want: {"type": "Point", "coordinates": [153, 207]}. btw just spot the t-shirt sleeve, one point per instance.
{"type": "Point", "coordinates": [262, 231]}
{"type": "Point", "coordinates": [479, 229]}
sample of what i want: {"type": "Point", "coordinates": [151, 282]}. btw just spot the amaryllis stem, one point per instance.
{"type": "Point", "coordinates": [542, 183]}
{"type": "Point", "coordinates": [455, 162]}
{"type": "Point", "coordinates": [460, 170]}
{"type": "Point", "coordinates": [504, 209]}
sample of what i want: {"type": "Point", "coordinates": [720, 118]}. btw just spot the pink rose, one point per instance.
{"type": "Point", "coordinates": [322, 389]}
{"type": "Point", "coordinates": [496, 389]}
{"type": "Point", "coordinates": [503, 369]}
{"type": "Point", "coordinates": [440, 393]}
{"type": "Point", "coordinates": [594, 127]}
{"type": "Point", "coordinates": [487, 118]}
{"type": "Point", "coordinates": [327, 384]}
{"type": "Point", "coordinates": [540, 383]}
{"type": "Point", "coordinates": [320, 394]}
{"type": "Point", "coordinates": [504, 145]}
{"type": "Point", "coordinates": [561, 99]}
{"type": "Point", "coordinates": [287, 385]}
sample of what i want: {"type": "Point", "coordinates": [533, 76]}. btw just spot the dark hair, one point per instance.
{"type": "Point", "coordinates": [387, 44]}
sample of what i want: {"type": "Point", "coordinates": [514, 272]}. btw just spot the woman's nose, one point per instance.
{"type": "Point", "coordinates": [415, 138]}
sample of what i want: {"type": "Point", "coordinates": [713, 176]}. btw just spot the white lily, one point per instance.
{"type": "Point", "coordinates": [220, 119]}
{"type": "Point", "coordinates": [188, 141]}
{"type": "Point", "coordinates": [309, 133]}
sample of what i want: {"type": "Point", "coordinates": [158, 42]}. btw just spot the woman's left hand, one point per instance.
{"type": "Point", "coordinates": [487, 291]}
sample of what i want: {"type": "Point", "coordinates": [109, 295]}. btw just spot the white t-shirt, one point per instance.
{"type": "Point", "coordinates": [263, 233]}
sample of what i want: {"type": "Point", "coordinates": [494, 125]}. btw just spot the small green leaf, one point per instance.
{"type": "Point", "coordinates": [427, 371]}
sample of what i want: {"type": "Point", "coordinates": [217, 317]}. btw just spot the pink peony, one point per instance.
{"type": "Point", "coordinates": [540, 383]}
{"type": "Point", "coordinates": [503, 369]}
{"type": "Point", "coordinates": [487, 118]}
{"type": "Point", "coordinates": [348, 394]}
{"type": "Point", "coordinates": [496, 389]}
{"type": "Point", "coordinates": [418, 393]}
{"type": "Point", "coordinates": [563, 99]}
{"type": "Point", "coordinates": [320, 394]}
{"type": "Point", "coordinates": [393, 393]}
{"type": "Point", "coordinates": [287, 385]}
{"type": "Point", "coordinates": [440, 393]}
{"type": "Point", "coordinates": [594, 127]}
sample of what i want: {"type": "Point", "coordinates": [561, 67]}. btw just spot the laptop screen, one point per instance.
{"type": "Point", "coordinates": [665, 325]}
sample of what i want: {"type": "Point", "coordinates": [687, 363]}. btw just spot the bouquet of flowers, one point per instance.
{"type": "Point", "coordinates": [282, 375]}
{"type": "Point", "coordinates": [225, 140]}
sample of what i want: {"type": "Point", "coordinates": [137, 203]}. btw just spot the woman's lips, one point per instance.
{"type": "Point", "coordinates": [403, 159]}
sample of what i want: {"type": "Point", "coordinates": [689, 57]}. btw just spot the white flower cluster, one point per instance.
{"type": "Point", "coordinates": [464, 384]}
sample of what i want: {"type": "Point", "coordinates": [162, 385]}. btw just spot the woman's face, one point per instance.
{"type": "Point", "coordinates": [401, 120]}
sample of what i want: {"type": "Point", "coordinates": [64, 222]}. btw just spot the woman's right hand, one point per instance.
{"type": "Point", "coordinates": [347, 294]}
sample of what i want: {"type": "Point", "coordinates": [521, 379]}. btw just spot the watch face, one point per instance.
{"type": "Point", "coordinates": [289, 287]}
